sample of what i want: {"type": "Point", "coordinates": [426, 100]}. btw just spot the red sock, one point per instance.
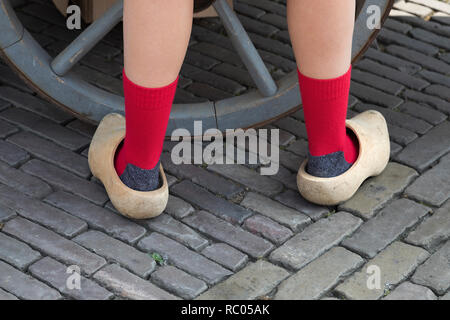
{"type": "Point", "coordinates": [147, 112]}
{"type": "Point", "coordinates": [325, 107]}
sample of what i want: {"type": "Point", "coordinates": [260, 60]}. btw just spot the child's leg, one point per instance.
{"type": "Point", "coordinates": [156, 36]}
{"type": "Point", "coordinates": [321, 33]}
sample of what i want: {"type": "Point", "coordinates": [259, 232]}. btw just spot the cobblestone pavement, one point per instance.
{"type": "Point", "coordinates": [229, 232]}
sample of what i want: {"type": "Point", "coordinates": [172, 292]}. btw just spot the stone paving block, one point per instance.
{"type": "Point", "coordinates": [101, 64]}
{"type": "Point", "coordinates": [275, 20]}
{"type": "Point", "coordinates": [399, 119]}
{"type": "Point", "coordinates": [375, 96]}
{"type": "Point", "coordinates": [395, 263]}
{"type": "Point", "coordinates": [413, 8]}
{"type": "Point", "coordinates": [51, 152]}
{"type": "Point", "coordinates": [299, 147]}
{"type": "Point", "coordinates": [377, 233]}
{"type": "Point", "coordinates": [17, 253]}
{"type": "Point", "coordinates": [435, 272]}
{"type": "Point", "coordinates": [269, 229]}
{"type": "Point", "coordinates": [391, 37]}
{"type": "Point", "coordinates": [419, 58]}
{"type": "Point", "coordinates": [7, 76]}
{"type": "Point", "coordinates": [99, 79]}
{"type": "Point", "coordinates": [435, 77]}
{"type": "Point", "coordinates": [55, 273]}
{"type": "Point", "coordinates": [294, 200]}
{"type": "Point", "coordinates": [66, 181]}
{"type": "Point", "coordinates": [401, 136]}
{"type": "Point", "coordinates": [395, 148]}
{"type": "Point", "coordinates": [239, 74]}
{"type": "Point", "coordinates": [434, 101]}
{"type": "Point", "coordinates": [23, 182]}
{"type": "Point", "coordinates": [24, 286]}
{"type": "Point", "coordinates": [82, 127]}
{"type": "Point", "coordinates": [226, 232]}
{"type": "Point", "coordinates": [39, 212]}
{"type": "Point", "coordinates": [178, 282]}
{"type": "Point", "coordinates": [397, 25]}
{"type": "Point", "coordinates": [248, 178]}
{"type": "Point", "coordinates": [315, 240]}
{"type": "Point", "coordinates": [392, 61]}
{"type": "Point", "coordinates": [33, 104]}
{"type": "Point", "coordinates": [208, 201]}
{"type": "Point", "coordinates": [432, 187]}
{"type": "Point", "coordinates": [6, 129]}
{"type": "Point", "coordinates": [420, 111]}
{"type": "Point", "coordinates": [286, 177]}
{"type": "Point", "coordinates": [290, 160]}
{"type": "Point", "coordinates": [45, 128]}
{"type": "Point", "coordinates": [431, 38]}
{"type": "Point", "coordinates": [114, 250]}
{"type": "Point", "coordinates": [410, 291]}
{"type": "Point", "coordinates": [226, 256]}
{"type": "Point", "coordinates": [178, 208]}
{"type": "Point", "coordinates": [267, 5]}
{"type": "Point", "coordinates": [248, 10]}
{"type": "Point", "coordinates": [261, 28]}
{"type": "Point", "coordinates": [54, 245]}
{"type": "Point", "coordinates": [391, 73]}
{"type": "Point", "coordinates": [445, 297]}
{"type": "Point", "coordinates": [218, 53]}
{"type": "Point", "coordinates": [432, 231]}
{"type": "Point", "coordinates": [287, 216]}
{"type": "Point", "coordinates": [438, 90]}
{"type": "Point", "coordinates": [184, 258]}
{"type": "Point", "coordinates": [293, 126]}
{"type": "Point", "coordinates": [130, 286]}
{"type": "Point", "coordinates": [320, 276]}
{"type": "Point", "coordinates": [255, 280]}
{"type": "Point", "coordinates": [6, 213]}
{"type": "Point", "coordinates": [12, 154]}
{"type": "Point", "coordinates": [280, 62]}
{"type": "Point", "coordinates": [424, 151]}
{"type": "Point", "coordinates": [97, 217]}
{"type": "Point", "coordinates": [202, 177]}
{"type": "Point", "coordinates": [6, 296]}
{"type": "Point", "coordinates": [208, 92]}
{"type": "Point", "coordinates": [434, 4]}
{"type": "Point", "coordinates": [272, 45]}
{"type": "Point", "coordinates": [377, 191]}
{"type": "Point", "coordinates": [178, 231]}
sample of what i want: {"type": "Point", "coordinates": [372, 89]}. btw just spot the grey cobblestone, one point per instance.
{"type": "Point", "coordinates": [320, 276]}
{"type": "Point", "coordinates": [255, 280]}
{"type": "Point", "coordinates": [390, 73]}
{"type": "Point", "coordinates": [226, 256]}
{"type": "Point", "coordinates": [178, 208]}
{"type": "Point", "coordinates": [392, 61]}
{"type": "Point", "coordinates": [315, 240]}
{"type": "Point", "coordinates": [377, 233]}
{"type": "Point", "coordinates": [55, 273]}
{"type": "Point", "coordinates": [6, 129]}
{"type": "Point", "coordinates": [376, 192]}
{"type": "Point", "coordinates": [435, 272]}
{"type": "Point", "coordinates": [46, 128]}
{"type": "Point", "coordinates": [286, 177]}
{"type": "Point", "coordinates": [24, 286]}
{"type": "Point", "coordinates": [114, 250]}
{"type": "Point", "coordinates": [184, 258]}
{"type": "Point", "coordinates": [294, 200]}
{"type": "Point", "coordinates": [396, 263]}
{"type": "Point", "coordinates": [289, 217]}
{"type": "Point", "coordinates": [438, 90]}
{"type": "Point", "coordinates": [427, 149]}
{"type": "Point", "coordinates": [66, 181]}
{"type": "Point", "coordinates": [431, 38]}
{"type": "Point", "coordinates": [16, 253]}
{"type": "Point", "coordinates": [225, 232]}
{"type": "Point", "coordinates": [53, 245]}
{"type": "Point", "coordinates": [375, 96]}
{"type": "Point", "coordinates": [6, 296]}
{"type": "Point", "coordinates": [434, 4]}
{"type": "Point", "coordinates": [176, 230]}
{"type": "Point", "coordinates": [130, 286]}
{"type": "Point", "coordinates": [434, 101]}
{"type": "Point", "coordinates": [41, 213]}
{"type": "Point", "coordinates": [261, 28]}
{"type": "Point", "coordinates": [248, 177]}
{"type": "Point", "coordinates": [81, 127]}
{"type": "Point", "coordinates": [6, 213]}
{"type": "Point", "coordinates": [97, 217]}
{"type": "Point", "coordinates": [391, 37]}
{"type": "Point", "coordinates": [433, 230]}
{"type": "Point", "coordinates": [208, 201]}
{"type": "Point", "coordinates": [410, 291]}
{"type": "Point", "coordinates": [267, 228]}
{"type": "Point", "coordinates": [7, 76]}
{"type": "Point", "coordinates": [248, 10]}
{"type": "Point", "coordinates": [178, 282]}
{"type": "Point", "coordinates": [23, 182]}
{"type": "Point", "coordinates": [401, 136]}
{"type": "Point", "coordinates": [12, 154]}
{"type": "Point", "coordinates": [435, 77]}
{"type": "Point", "coordinates": [52, 153]}
{"type": "Point", "coordinates": [397, 25]}
{"type": "Point", "coordinates": [414, 8]}
{"type": "Point", "coordinates": [33, 104]}
{"type": "Point", "coordinates": [425, 113]}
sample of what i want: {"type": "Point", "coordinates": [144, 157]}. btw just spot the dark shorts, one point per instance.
{"type": "Point", "coordinates": [200, 5]}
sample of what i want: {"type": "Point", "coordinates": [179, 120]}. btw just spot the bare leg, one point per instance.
{"type": "Point", "coordinates": [321, 34]}
{"type": "Point", "coordinates": [156, 36]}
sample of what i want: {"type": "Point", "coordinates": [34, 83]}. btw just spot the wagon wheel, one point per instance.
{"type": "Point", "coordinates": [54, 80]}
